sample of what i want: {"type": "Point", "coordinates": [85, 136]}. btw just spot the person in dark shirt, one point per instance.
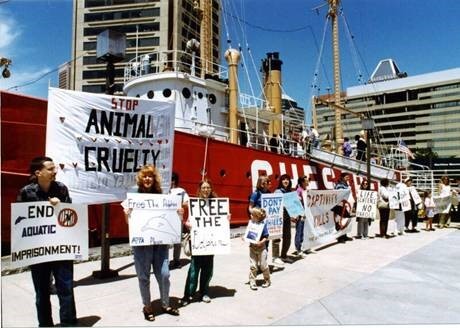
{"type": "Point", "coordinates": [360, 148]}
{"type": "Point", "coordinates": [44, 187]}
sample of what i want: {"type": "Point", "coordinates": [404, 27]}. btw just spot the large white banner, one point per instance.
{"type": "Point", "coordinates": [41, 232]}
{"type": "Point", "coordinates": [99, 142]}
{"type": "Point", "coordinates": [326, 216]}
{"type": "Point", "coordinates": [273, 205]}
{"type": "Point", "coordinates": [154, 219]}
{"type": "Point", "coordinates": [210, 233]}
{"type": "Point", "coordinates": [366, 206]}
{"type": "Point", "coordinates": [443, 204]}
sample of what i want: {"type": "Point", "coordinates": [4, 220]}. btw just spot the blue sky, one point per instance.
{"type": "Point", "coordinates": [420, 35]}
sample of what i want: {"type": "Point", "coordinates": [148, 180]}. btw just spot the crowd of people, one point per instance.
{"type": "Point", "coordinates": [44, 187]}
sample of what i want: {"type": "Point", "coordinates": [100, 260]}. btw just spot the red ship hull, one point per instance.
{"type": "Point", "coordinates": [232, 168]}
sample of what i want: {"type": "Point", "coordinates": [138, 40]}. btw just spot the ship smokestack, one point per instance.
{"type": "Point", "coordinates": [272, 88]}
{"type": "Point", "coordinates": [232, 57]}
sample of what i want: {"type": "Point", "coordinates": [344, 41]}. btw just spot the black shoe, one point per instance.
{"type": "Point", "coordinates": [287, 260]}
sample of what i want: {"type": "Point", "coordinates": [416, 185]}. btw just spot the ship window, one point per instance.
{"type": "Point", "coordinates": [200, 95]}
{"type": "Point", "coordinates": [186, 93]}
{"type": "Point", "coordinates": [212, 98]}
{"type": "Point", "coordinates": [167, 93]}
{"type": "Point", "coordinates": [150, 94]}
{"type": "Point", "coordinates": [138, 96]}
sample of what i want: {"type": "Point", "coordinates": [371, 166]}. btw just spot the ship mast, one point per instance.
{"type": "Point", "coordinates": [204, 8]}
{"type": "Point", "coordinates": [333, 9]}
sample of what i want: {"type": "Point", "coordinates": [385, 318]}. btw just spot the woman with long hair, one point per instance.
{"type": "Point", "coordinates": [200, 265]}
{"type": "Point", "coordinates": [384, 208]}
{"type": "Point", "coordinates": [363, 223]}
{"type": "Point", "coordinates": [302, 185]}
{"type": "Point", "coordinates": [284, 186]}
{"type": "Point", "coordinates": [156, 256]}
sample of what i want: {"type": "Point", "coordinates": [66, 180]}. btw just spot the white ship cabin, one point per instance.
{"type": "Point", "coordinates": [201, 99]}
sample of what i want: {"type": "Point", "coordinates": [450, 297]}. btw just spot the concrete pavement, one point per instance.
{"type": "Point", "coordinates": [410, 279]}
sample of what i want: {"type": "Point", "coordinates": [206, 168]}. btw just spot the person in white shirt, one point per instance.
{"type": "Point", "coordinates": [176, 190]}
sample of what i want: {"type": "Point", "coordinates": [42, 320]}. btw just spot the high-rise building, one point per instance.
{"type": "Point", "coordinates": [149, 26]}
{"type": "Point", "coordinates": [422, 110]}
{"type": "Point", "coordinates": [64, 76]}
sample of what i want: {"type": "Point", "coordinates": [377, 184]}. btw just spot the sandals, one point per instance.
{"type": "Point", "coordinates": [149, 316]}
{"type": "Point", "coordinates": [170, 310]}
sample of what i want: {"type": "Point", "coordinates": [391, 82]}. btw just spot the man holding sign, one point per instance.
{"type": "Point", "coordinates": [44, 187]}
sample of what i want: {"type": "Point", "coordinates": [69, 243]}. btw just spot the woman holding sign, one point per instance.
{"type": "Point", "coordinates": [156, 256]}
{"type": "Point", "coordinates": [284, 186]}
{"type": "Point", "coordinates": [201, 265]}
{"type": "Point", "coordinates": [363, 223]}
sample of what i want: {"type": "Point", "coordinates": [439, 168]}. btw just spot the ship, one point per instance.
{"type": "Point", "coordinates": [220, 134]}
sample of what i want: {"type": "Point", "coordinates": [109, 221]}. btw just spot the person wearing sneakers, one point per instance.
{"type": "Point", "coordinates": [201, 266]}
{"type": "Point", "coordinates": [255, 201]}
{"type": "Point", "coordinates": [258, 252]}
{"type": "Point", "coordinates": [302, 185]}
{"type": "Point", "coordinates": [284, 186]}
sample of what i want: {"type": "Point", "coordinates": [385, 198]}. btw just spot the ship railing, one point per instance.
{"type": "Point", "coordinates": [352, 164]}
{"type": "Point", "coordinates": [249, 101]}
{"type": "Point", "coordinates": [171, 61]}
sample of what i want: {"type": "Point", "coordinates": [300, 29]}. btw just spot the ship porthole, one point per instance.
{"type": "Point", "coordinates": [138, 96]}
{"type": "Point", "coordinates": [150, 94]}
{"type": "Point", "coordinates": [167, 93]}
{"type": "Point", "coordinates": [222, 173]}
{"type": "Point", "coordinates": [186, 93]}
{"type": "Point", "coordinates": [200, 95]}
{"type": "Point", "coordinates": [212, 98]}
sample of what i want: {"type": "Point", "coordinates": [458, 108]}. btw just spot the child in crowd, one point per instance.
{"type": "Point", "coordinates": [429, 210]}
{"type": "Point", "coordinates": [258, 252]}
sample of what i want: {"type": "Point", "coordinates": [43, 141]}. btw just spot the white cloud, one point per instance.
{"type": "Point", "coordinates": [9, 32]}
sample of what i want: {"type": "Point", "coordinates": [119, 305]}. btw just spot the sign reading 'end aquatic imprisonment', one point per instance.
{"type": "Point", "coordinates": [154, 219]}
{"type": "Point", "coordinates": [99, 142]}
{"type": "Point", "coordinates": [210, 232]}
{"type": "Point", "coordinates": [41, 232]}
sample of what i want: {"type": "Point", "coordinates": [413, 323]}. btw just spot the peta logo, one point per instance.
{"type": "Point", "coordinates": [67, 217]}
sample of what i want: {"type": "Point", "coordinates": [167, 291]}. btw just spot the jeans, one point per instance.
{"type": "Point", "coordinates": [63, 276]}
{"type": "Point", "coordinates": [199, 266]}
{"type": "Point", "coordinates": [363, 227]}
{"type": "Point", "coordinates": [155, 256]}
{"type": "Point", "coordinates": [298, 239]}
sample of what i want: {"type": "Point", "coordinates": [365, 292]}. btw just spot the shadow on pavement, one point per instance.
{"type": "Point", "coordinates": [91, 280]}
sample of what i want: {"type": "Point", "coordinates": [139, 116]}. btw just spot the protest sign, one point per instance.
{"type": "Point", "coordinates": [210, 233]}
{"type": "Point", "coordinates": [293, 205]}
{"type": "Point", "coordinates": [404, 199]}
{"type": "Point", "coordinates": [273, 206]}
{"type": "Point", "coordinates": [253, 231]}
{"type": "Point", "coordinates": [415, 196]}
{"type": "Point", "coordinates": [41, 232]}
{"type": "Point", "coordinates": [366, 207]}
{"type": "Point", "coordinates": [154, 219]}
{"type": "Point", "coordinates": [322, 225]}
{"type": "Point", "coordinates": [393, 200]}
{"type": "Point", "coordinates": [443, 204]}
{"type": "Point", "coordinates": [99, 142]}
